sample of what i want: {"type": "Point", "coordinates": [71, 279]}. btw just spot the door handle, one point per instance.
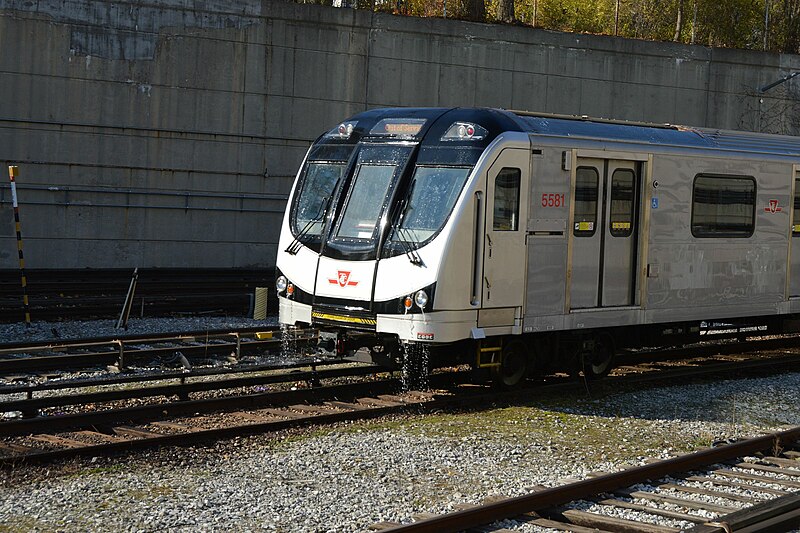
{"type": "Point", "coordinates": [488, 285]}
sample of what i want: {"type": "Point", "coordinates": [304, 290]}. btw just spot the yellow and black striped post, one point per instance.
{"type": "Point", "coordinates": [12, 174]}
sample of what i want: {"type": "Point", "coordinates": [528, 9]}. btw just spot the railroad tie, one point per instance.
{"type": "Point", "coordinates": [283, 413]}
{"type": "Point", "coordinates": [380, 526]}
{"type": "Point", "coordinates": [12, 448]}
{"type": "Point", "coordinates": [101, 436]}
{"type": "Point", "coordinates": [374, 402]}
{"type": "Point", "coordinates": [346, 406]}
{"type": "Point", "coordinates": [737, 485]}
{"type": "Point", "coordinates": [58, 441]}
{"type": "Point", "coordinates": [313, 409]}
{"type": "Point", "coordinates": [258, 419]}
{"type": "Point", "coordinates": [610, 523]}
{"type": "Point", "coordinates": [782, 461]}
{"type": "Point", "coordinates": [135, 432]}
{"type": "Point", "coordinates": [177, 426]}
{"type": "Point", "coordinates": [756, 477]}
{"type": "Point", "coordinates": [708, 492]}
{"type": "Point", "coordinates": [675, 515]}
{"type": "Point", "coordinates": [682, 502]}
{"type": "Point", "coordinates": [561, 526]}
{"type": "Point", "coordinates": [770, 469]}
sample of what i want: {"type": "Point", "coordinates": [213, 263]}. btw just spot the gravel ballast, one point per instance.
{"type": "Point", "coordinates": [345, 478]}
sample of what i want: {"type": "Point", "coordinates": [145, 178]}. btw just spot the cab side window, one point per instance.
{"type": "Point", "coordinates": [506, 200]}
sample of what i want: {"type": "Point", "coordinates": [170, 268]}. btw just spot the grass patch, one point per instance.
{"type": "Point", "coordinates": [98, 470]}
{"type": "Point", "coordinates": [20, 524]}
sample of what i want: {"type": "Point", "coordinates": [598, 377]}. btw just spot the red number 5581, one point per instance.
{"type": "Point", "coordinates": [552, 199]}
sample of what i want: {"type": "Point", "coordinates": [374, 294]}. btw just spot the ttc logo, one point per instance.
{"type": "Point", "coordinates": [342, 280]}
{"type": "Point", "coordinates": [773, 207]}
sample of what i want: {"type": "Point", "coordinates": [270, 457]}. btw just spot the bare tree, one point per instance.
{"type": "Point", "coordinates": [679, 22]}
{"type": "Point", "coordinates": [505, 11]}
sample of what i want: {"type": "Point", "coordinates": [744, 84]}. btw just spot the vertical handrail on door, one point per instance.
{"type": "Point", "coordinates": [476, 250]}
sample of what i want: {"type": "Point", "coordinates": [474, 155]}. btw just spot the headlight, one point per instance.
{"type": "Point", "coordinates": [421, 299]}
{"type": "Point", "coordinates": [281, 283]}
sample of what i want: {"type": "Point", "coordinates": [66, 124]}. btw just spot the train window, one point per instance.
{"type": "Point", "coordinates": [506, 200]}
{"type": "Point", "coordinates": [586, 182]}
{"type": "Point", "coordinates": [796, 217]}
{"type": "Point", "coordinates": [364, 204]}
{"type": "Point", "coordinates": [318, 185]}
{"type": "Point", "coordinates": [723, 206]}
{"type": "Point", "coordinates": [621, 222]}
{"type": "Point", "coordinates": [433, 195]}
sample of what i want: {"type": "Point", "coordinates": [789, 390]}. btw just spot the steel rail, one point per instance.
{"type": "Point", "coordinates": [554, 496]}
{"type": "Point", "coordinates": [204, 435]}
{"type": "Point", "coordinates": [131, 355]}
{"type": "Point", "coordinates": [178, 389]}
{"type": "Point", "coordinates": [48, 424]}
{"type": "Point", "coordinates": [140, 337]}
{"type": "Point", "coordinates": [181, 390]}
{"type": "Point", "coordinates": [117, 350]}
{"type": "Point", "coordinates": [155, 375]}
{"type": "Point", "coordinates": [474, 398]}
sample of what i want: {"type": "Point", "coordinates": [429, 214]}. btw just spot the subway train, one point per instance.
{"type": "Point", "coordinates": [522, 242]}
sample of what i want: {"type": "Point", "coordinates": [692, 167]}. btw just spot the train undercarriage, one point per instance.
{"type": "Point", "coordinates": [508, 360]}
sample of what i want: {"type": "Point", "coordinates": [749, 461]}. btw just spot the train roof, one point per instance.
{"type": "Point", "coordinates": [667, 134]}
{"type": "Point", "coordinates": [578, 127]}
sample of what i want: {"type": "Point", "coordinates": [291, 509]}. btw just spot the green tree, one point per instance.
{"type": "Point", "coordinates": [731, 23]}
{"type": "Point", "coordinates": [585, 16]}
{"type": "Point", "coordinates": [784, 26]}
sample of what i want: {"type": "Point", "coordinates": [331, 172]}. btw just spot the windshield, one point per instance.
{"type": "Point", "coordinates": [363, 209]}
{"type": "Point", "coordinates": [315, 191]}
{"type": "Point", "coordinates": [434, 191]}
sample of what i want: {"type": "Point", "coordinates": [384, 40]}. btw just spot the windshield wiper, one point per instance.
{"type": "Point", "coordinates": [296, 243]}
{"type": "Point", "coordinates": [404, 233]}
{"type": "Point", "coordinates": [410, 242]}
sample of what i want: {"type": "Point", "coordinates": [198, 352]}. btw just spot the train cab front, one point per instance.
{"type": "Point", "coordinates": [370, 222]}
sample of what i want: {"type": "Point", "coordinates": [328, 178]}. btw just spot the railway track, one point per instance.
{"type": "Point", "coordinates": [319, 401]}
{"type": "Point", "coordinates": [747, 486]}
{"type": "Point", "coordinates": [124, 351]}
{"type": "Point", "coordinates": [91, 423]}
{"type": "Point", "coordinates": [120, 351]}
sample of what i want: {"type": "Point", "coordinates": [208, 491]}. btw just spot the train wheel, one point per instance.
{"type": "Point", "coordinates": [514, 365]}
{"type": "Point", "coordinates": [598, 361]}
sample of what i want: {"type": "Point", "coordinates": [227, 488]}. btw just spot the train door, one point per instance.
{"type": "Point", "coordinates": [794, 245]}
{"type": "Point", "coordinates": [504, 247]}
{"type": "Point", "coordinates": [605, 233]}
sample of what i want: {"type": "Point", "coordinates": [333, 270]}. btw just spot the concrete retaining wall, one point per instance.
{"type": "Point", "coordinates": [166, 134]}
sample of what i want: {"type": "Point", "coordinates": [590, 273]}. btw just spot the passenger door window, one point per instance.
{"type": "Point", "coordinates": [796, 217]}
{"type": "Point", "coordinates": [621, 219]}
{"type": "Point", "coordinates": [586, 183]}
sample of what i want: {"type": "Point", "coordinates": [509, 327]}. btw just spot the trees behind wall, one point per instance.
{"type": "Point", "coordinates": [772, 25]}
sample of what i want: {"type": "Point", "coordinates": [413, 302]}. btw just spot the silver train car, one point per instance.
{"type": "Point", "coordinates": [521, 242]}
